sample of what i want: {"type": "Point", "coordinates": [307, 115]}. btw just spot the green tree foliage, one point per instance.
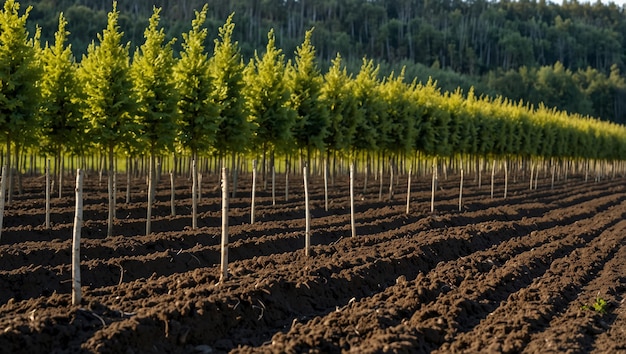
{"type": "Point", "coordinates": [460, 42]}
{"type": "Point", "coordinates": [226, 70]}
{"type": "Point", "coordinates": [20, 70]}
{"type": "Point", "coordinates": [267, 97]}
{"type": "Point", "coordinates": [109, 101]}
{"type": "Point", "coordinates": [305, 83]}
{"type": "Point", "coordinates": [198, 113]}
{"type": "Point", "coordinates": [62, 122]}
{"type": "Point", "coordinates": [343, 109]}
{"type": "Point", "coordinates": [19, 73]}
{"type": "Point", "coordinates": [368, 132]}
{"type": "Point", "coordinates": [400, 113]}
{"type": "Point", "coordinates": [157, 98]}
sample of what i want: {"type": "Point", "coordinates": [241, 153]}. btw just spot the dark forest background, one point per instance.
{"type": "Point", "coordinates": [569, 55]}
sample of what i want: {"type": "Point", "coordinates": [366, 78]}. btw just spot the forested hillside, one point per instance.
{"type": "Point", "coordinates": [568, 55]}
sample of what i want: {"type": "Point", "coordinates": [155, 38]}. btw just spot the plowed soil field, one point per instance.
{"type": "Point", "coordinates": [520, 274]}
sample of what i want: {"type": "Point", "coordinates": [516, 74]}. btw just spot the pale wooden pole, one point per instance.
{"type": "Point", "coordinates": [287, 180]}
{"type": "Point", "coordinates": [224, 265]}
{"type": "Point", "coordinates": [352, 222]}
{"type": "Point", "coordinates": [47, 193]}
{"type": "Point", "coordinates": [194, 196]}
{"type": "Point", "coordinates": [307, 215]}
{"type": "Point", "coordinates": [506, 177]}
{"type": "Point", "coordinates": [253, 192]}
{"type": "Point", "coordinates": [3, 191]}
{"type": "Point", "coordinates": [391, 176]}
{"type": "Point", "coordinates": [408, 192]}
{"type": "Point", "coordinates": [274, 184]}
{"type": "Point", "coordinates": [493, 172]}
{"type": "Point", "coordinates": [78, 222]}
{"type": "Point", "coordinates": [172, 194]}
{"type": "Point", "coordinates": [151, 188]}
{"type": "Point", "coordinates": [433, 188]}
{"type": "Point", "coordinates": [461, 191]}
{"type": "Point", "coordinates": [325, 185]}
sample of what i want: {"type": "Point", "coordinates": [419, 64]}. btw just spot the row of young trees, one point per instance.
{"type": "Point", "coordinates": [197, 104]}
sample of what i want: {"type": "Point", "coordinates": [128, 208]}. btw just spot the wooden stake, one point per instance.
{"type": "Point", "coordinates": [151, 176]}
{"type": "Point", "coordinates": [286, 179]}
{"type": "Point", "coordinates": [325, 185]}
{"type": "Point", "coordinates": [493, 172]}
{"type": "Point", "coordinates": [352, 222]}
{"type": "Point", "coordinates": [224, 265]}
{"type": "Point", "coordinates": [461, 192]}
{"type": "Point", "coordinates": [506, 177]}
{"type": "Point", "coordinates": [48, 194]}
{"type": "Point", "coordinates": [307, 215]}
{"type": "Point", "coordinates": [3, 191]}
{"type": "Point", "coordinates": [391, 168]}
{"type": "Point", "coordinates": [253, 191]}
{"type": "Point", "coordinates": [194, 196]}
{"type": "Point", "coordinates": [408, 192]}
{"type": "Point", "coordinates": [273, 185]}
{"type": "Point", "coordinates": [78, 222]}
{"type": "Point", "coordinates": [434, 182]}
{"type": "Point", "coordinates": [172, 194]}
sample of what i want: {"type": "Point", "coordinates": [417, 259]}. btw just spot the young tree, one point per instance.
{"type": "Point", "coordinates": [266, 98]}
{"type": "Point", "coordinates": [370, 130]}
{"type": "Point", "coordinates": [199, 117]}
{"type": "Point", "coordinates": [20, 72]}
{"type": "Point", "coordinates": [305, 82]}
{"type": "Point", "coordinates": [343, 111]}
{"type": "Point", "coordinates": [109, 102]}
{"type": "Point", "coordinates": [157, 98]}
{"type": "Point", "coordinates": [226, 69]}
{"type": "Point", "coordinates": [62, 124]}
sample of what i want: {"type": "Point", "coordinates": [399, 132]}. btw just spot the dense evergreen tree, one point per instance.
{"type": "Point", "coordinates": [62, 123]}
{"type": "Point", "coordinates": [20, 70]}
{"type": "Point", "coordinates": [226, 70]}
{"type": "Point", "coordinates": [157, 98]}
{"type": "Point", "coordinates": [109, 101]}
{"type": "Point", "coordinates": [473, 38]}
{"type": "Point", "coordinates": [199, 115]}
{"type": "Point", "coordinates": [305, 83]}
{"type": "Point", "coordinates": [267, 100]}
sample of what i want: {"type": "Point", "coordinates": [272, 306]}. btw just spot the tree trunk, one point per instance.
{"type": "Point", "coordinates": [111, 188]}
{"type": "Point", "coordinates": [194, 193]}
{"type": "Point", "coordinates": [78, 222]}
{"type": "Point", "coordinates": [352, 220]}
{"type": "Point", "coordinates": [253, 192]}
{"type": "Point", "coordinates": [151, 183]}
{"type": "Point", "coordinates": [224, 258]}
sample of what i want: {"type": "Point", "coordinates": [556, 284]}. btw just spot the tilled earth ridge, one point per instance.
{"type": "Point", "coordinates": [502, 275]}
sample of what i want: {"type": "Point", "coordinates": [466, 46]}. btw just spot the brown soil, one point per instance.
{"type": "Point", "coordinates": [503, 275]}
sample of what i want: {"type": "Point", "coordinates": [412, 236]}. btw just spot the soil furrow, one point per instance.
{"type": "Point", "coordinates": [529, 310]}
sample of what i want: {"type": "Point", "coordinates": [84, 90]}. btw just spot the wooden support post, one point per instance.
{"type": "Point", "coordinates": [78, 222]}
{"type": "Point", "coordinates": [352, 222]}
{"type": "Point", "coordinates": [307, 215]}
{"type": "Point", "coordinates": [253, 192]}
{"type": "Point", "coordinates": [224, 264]}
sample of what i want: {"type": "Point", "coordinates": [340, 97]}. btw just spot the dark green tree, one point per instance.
{"type": "Point", "coordinates": [157, 98]}
{"type": "Point", "coordinates": [226, 70]}
{"type": "Point", "coordinates": [199, 115]}
{"type": "Point", "coordinates": [63, 125]}
{"type": "Point", "coordinates": [267, 100]}
{"type": "Point", "coordinates": [20, 71]}
{"type": "Point", "coordinates": [305, 83]}
{"type": "Point", "coordinates": [109, 103]}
